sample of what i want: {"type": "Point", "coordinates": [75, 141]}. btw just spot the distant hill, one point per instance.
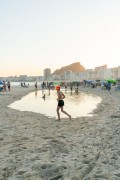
{"type": "Point", "coordinates": [75, 67]}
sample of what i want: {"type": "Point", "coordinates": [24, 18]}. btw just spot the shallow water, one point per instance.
{"type": "Point", "coordinates": [76, 104]}
{"type": "Point", "coordinates": [27, 83]}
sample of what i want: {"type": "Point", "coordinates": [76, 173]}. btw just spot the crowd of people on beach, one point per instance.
{"type": "Point", "coordinates": [94, 133]}
{"type": "Point", "coordinates": [72, 87]}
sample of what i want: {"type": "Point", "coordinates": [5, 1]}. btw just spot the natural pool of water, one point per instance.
{"type": "Point", "coordinates": [76, 104]}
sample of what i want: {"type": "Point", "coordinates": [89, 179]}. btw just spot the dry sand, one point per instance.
{"type": "Point", "coordinates": [33, 147]}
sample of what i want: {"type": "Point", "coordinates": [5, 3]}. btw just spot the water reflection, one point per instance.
{"type": "Point", "coordinates": [44, 102]}
{"type": "Point", "coordinates": [44, 97]}
{"type": "Point", "coordinates": [35, 93]}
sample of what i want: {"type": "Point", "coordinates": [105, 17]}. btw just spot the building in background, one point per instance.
{"type": "Point", "coordinates": [99, 73]}
{"type": "Point", "coordinates": [104, 67]}
{"type": "Point", "coordinates": [47, 73]}
{"type": "Point", "coordinates": [119, 72]}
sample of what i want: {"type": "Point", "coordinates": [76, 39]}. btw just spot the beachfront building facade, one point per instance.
{"type": "Point", "coordinates": [99, 73]}
{"type": "Point", "coordinates": [23, 78]}
{"type": "Point", "coordinates": [67, 75]}
{"type": "Point", "coordinates": [40, 78]}
{"type": "Point", "coordinates": [47, 73]}
{"type": "Point", "coordinates": [99, 68]}
{"type": "Point", "coordinates": [118, 71]}
{"type": "Point", "coordinates": [54, 77]}
{"type": "Point", "coordinates": [109, 73]}
{"type": "Point", "coordinates": [115, 73]}
{"type": "Point", "coordinates": [82, 76]}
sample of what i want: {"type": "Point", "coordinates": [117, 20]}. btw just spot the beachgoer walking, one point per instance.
{"type": "Point", "coordinates": [8, 85]}
{"type": "Point", "coordinates": [109, 86]}
{"type": "Point", "coordinates": [36, 85]}
{"type": "Point", "coordinates": [66, 87]}
{"type": "Point", "coordinates": [76, 90]}
{"type": "Point", "coordinates": [71, 88]}
{"type": "Point", "coordinates": [43, 85]}
{"type": "Point", "coordinates": [60, 105]}
{"type": "Point", "coordinates": [4, 86]}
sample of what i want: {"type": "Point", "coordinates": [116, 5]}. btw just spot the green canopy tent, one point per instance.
{"type": "Point", "coordinates": [56, 83]}
{"type": "Point", "coordinates": [112, 80]}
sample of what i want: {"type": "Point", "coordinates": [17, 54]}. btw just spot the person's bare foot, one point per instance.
{"type": "Point", "coordinates": [57, 119]}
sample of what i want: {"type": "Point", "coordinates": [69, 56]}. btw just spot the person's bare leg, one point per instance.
{"type": "Point", "coordinates": [65, 113]}
{"type": "Point", "coordinates": [58, 113]}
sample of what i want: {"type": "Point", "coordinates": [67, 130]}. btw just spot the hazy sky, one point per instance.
{"type": "Point", "coordinates": [38, 34]}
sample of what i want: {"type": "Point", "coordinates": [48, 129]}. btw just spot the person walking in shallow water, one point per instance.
{"type": "Point", "coordinates": [8, 84]}
{"type": "Point", "coordinates": [60, 105]}
{"type": "Point", "coordinates": [36, 86]}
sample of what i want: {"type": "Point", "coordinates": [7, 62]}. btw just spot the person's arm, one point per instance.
{"type": "Point", "coordinates": [63, 96]}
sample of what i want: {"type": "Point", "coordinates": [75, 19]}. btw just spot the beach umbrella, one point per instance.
{"type": "Point", "coordinates": [111, 80]}
{"type": "Point", "coordinates": [56, 83]}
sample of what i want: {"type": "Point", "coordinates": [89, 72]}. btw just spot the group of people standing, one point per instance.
{"type": "Point", "coordinates": [6, 85]}
{"type": "Point", "coordinates": [23, 84]}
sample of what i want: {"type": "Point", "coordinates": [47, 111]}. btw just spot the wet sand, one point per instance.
{"type": "Point", "coordinates": [33, 146]}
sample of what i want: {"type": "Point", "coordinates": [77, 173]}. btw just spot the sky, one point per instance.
{"type": "Point", "coordinates": [39, 34]}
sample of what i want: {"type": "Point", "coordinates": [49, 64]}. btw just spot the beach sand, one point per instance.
{"type": "Point", "coordinates": [34, 147]}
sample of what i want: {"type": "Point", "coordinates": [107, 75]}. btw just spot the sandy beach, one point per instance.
{"type": "Point", "coordinates": [34, 147]}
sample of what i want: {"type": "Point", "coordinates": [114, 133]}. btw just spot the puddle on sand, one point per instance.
{"type": "Point", "coordinates": [76, 105]}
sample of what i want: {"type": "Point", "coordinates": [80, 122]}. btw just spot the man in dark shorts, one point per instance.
{"type": "Point", "coordinates": [60, 98]}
